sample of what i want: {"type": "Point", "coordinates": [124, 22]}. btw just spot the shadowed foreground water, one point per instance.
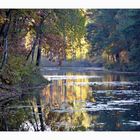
{"type": "Point", "coordinates": [77, 99]}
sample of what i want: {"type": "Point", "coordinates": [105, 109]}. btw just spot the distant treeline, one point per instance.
{"type": "Point", "coordinates": [114, 34]}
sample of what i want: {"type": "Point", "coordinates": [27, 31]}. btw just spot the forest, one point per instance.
{"type": "Point", "coordinates": [27, 34]}
{"type": "Point", "coordinates": [114, 35]}
{"type": "Point", "coordinates": [109, 37]}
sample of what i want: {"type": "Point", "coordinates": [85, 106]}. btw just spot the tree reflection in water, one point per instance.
{"type": "Point", "coordinates": [64, 105]}
{"type": "Point", "coordinates": [66, 102]}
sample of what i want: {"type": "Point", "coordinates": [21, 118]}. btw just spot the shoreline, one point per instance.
{"type": "Point", "coordinates": [94, 68]}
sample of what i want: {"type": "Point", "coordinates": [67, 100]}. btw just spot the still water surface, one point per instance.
{"type": "Point", "coordinates": [77, 99]}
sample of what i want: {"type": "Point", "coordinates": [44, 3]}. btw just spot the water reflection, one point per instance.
{"type": "Point", "coordinates": [61, 93]}
{"type": "Point", "coordinates": [66, 102]}
{"type": "Point", "coordinates": [77, 101]}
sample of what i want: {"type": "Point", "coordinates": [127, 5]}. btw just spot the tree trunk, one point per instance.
{"type": "Point", "coordinates": [32, 52]}
{"type": "Point", "coordinates": [38, 56]}
{"type": "Point", "coordinates": [4, 32]}
{"type": "Point", "coordinates": [4, 26]}
{"type": "Point", "coordinates": [38, 38]}
{"type": "Point", "coordinates": [33, 48]}
{"type": "Point", "coordinates": [5, 53]}
{"type": "Point", "coordinates": [38, 59]}
{"type": "Point", "coordinates": [117, 58]}
{"type": "Point", "coordinates": [39, 43]}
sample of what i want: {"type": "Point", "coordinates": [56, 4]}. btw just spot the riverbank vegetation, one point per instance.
{"type": "Point", "coordinates": [26, 35]}
{"type": "Point", "coordinates": [109, 37]}
{"type": "Point", "coordinates": [114, 37]}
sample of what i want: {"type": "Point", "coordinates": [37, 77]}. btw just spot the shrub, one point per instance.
{"type": "Point", "coordinates": [16, 71]}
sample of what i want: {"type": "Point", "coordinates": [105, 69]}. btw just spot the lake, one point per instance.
{"type": "Point", "coordinates": [77, 99]}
